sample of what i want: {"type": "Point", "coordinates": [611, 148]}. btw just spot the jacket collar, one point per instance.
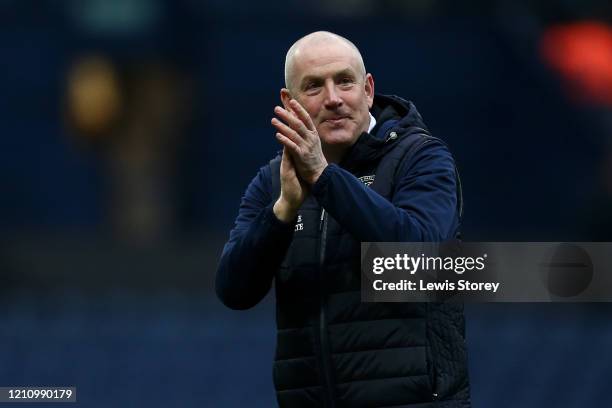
{"type": "Point", "coordinates": [393, 114]}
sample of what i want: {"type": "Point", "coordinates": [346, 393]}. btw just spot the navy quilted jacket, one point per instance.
{"type": "Point", "coordinates": [332, 350]}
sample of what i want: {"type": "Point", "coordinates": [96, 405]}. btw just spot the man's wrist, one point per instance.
{"type": "Point", "coordinates": [317, 174]}
{"type": "Point", "coordinates": [284, 212]}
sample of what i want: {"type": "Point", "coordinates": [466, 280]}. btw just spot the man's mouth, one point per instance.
{"type": "Point", "coordinates": [336, 120]}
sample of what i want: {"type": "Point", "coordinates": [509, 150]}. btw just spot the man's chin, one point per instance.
{"type": "Point", "coordinates": [338, 137]}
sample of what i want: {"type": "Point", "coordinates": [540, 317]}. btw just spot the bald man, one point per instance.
{"type": "Point", "coordinates": [355, 167]}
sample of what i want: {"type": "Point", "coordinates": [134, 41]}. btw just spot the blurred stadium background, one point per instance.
{"type": "Point", "coordinates": [130, 129]}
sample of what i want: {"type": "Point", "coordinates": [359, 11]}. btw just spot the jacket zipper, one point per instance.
{"type": "Point", "coordinates": [325, 352]}
{"type": "Point", "coordinates": [434, 394]}
{"type": "Point", "coordinates": [432, 365]}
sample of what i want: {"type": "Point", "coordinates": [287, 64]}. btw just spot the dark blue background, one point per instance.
{"type": "Point", "coordinates": [141, 327]}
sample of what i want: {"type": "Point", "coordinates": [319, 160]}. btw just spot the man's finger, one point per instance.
{"type": "Point", "coordinates": [285, 159]}
{"type": "Point", "coordinates": [287, 131]}
{"type": "Point", "coordinates": [302, 114]}
{"type": "Point", "coordinates": [292, 120]}
{"type": "Point", "coordinates": [288, 144]}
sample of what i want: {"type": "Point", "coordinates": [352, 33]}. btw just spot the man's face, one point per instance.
{"type": "Point", "coordinates": [329, 84]}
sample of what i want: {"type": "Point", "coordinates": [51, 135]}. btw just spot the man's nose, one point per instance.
{"type": "Point", "coordinates": [332, 97]}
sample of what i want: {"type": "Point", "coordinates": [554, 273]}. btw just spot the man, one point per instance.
{"type": "Point", "coordinates": [354, 167]}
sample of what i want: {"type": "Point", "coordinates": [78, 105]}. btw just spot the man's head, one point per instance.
{"type": "Point", "coordinates": [326, 75]}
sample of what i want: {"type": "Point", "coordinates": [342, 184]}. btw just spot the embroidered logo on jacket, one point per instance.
{"type": "Point", "coordinates": [367, 180]}
{"type": "Point", "coordinates": [299, 225]}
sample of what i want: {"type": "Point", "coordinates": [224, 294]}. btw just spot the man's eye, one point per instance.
{"type": "Point", "coordinates": [312, 88]}
{"type": "Point", "coordinates": [346, 81]}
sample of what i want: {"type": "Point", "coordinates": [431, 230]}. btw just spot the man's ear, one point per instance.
{"type": "Point", "coordinates": [369, 89]}
{"type": "Point", "coordinates": [285, 96]}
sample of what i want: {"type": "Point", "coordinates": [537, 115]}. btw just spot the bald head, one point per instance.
{"type": "Point", "coordinates": [313, 41]}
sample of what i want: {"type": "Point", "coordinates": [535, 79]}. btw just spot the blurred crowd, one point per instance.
{"type": "Point", "coordinates": [141, 98]}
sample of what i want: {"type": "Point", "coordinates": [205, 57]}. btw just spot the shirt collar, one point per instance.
{"type": "Point", "coordinates": [372, 123]}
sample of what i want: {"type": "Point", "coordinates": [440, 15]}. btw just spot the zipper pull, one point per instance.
{"type": "Point", "coordinates": [392, 136]}
{"type": "Point", "coordinates": [321, 220]}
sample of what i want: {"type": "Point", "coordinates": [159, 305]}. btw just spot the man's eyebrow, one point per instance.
{"type": "Point", "coordinates": [315, 78]}
{"type": "Point", "coordinates": [309, 78]}
{"type": "Point", "coordinates": [345, 72]}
